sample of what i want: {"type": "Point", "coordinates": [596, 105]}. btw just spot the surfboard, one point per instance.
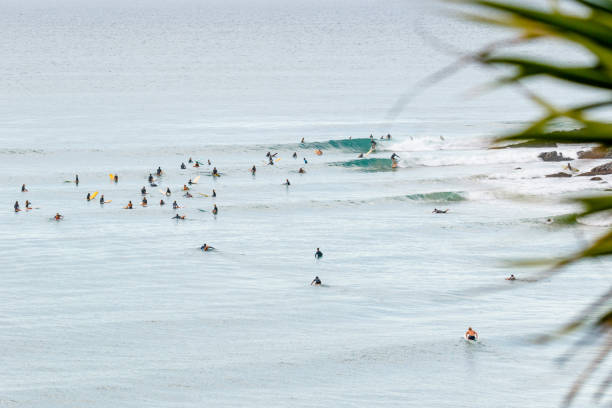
{"type": "Point", "coordinates": [202, 194]}
{"type": "Point", "coordinates": [111, 176]}
{"type": "Point", "coordinates": [202, 210]}
{"type": "Point", "coordinates": [278, 159]}
{"type": "Point", "coordinates": [93, 195]}
{"type": "Point", "coordinates": [106, 202]}
{"type": "Point", "coordinates": [195, 180]}
{"type": "Point", "coordinates": [144, 205]}
{"type": "Point", "coordinates": [368, 153]}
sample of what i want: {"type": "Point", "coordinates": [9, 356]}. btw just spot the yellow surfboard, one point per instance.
{"type": "Point", "coordinates": [91, 197]}
{"type": "Point", "coordinates": [112, 177]}
{"type": "Point", "coordinates": [195, 180]}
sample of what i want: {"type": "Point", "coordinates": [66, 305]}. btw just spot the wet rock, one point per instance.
{"type": "Point", "coordinates": [595, 153]}
{"type": "Point", "coordinates": [599, 170]}
{"type": "Point", "coordinates": [596, 179]}
{"type": "Point", "coordinates": [560, 174]}
{"type": "Point", "coordinates": [553, 157]}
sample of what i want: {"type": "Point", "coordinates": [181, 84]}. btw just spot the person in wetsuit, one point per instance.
{"type": "Point", "coordinates": [28, 205]}
{"type": "Point", "coordinates": [295, 155]}
{"type": "Point", "coordinates": [116, 179]}
{"type": "Point", "coordinates": [76, 179]}
{"type": "Point", "coordinates": [178, 217]}
{"type": "Point", "coordinates": [393, 156]}
{"type": "Point", "coordinates": [88, 196]}
{"type": "Point", "coordinates": [305, 161]}
{"type": "Point", "coordinates": [16, 206]}
{"type": "Point", "coordinates": [144, 201]}
{"type": "Point", "coordinates": [150, 178]}
{"type": "Point", "coordinates": [215, 210]}
{"type": "Point", "coordinates": [168, 191]}
{"type": "Point", "coordinates": [206, 247]}
{"type": "Point", "coordinates": [214, 193]}
{"type": "Point", "coordinates": [24, 189]}
{"type": "Point", "coordinates": [130, 206]}
{"type": "Point", "coordinates": [316, 281]}
{"type": "Point", "coordinates": [102, 199]}
{"type": "Point", "coordinates": [190, 182]}
{"type": "Point", "coordinates": [271, 162]}
{"type": "Point", "coordinates": [159, 171]}
{"type": "Point", "coordinates": [161, 202]}
{"type": "Point", "coordinates": [190, 160]}
{"type": "Point", "coordinates": [318, 254]}
{"type": "Point", "coordinates": [58, 216]}
{"type": "Point", "coordinates": [185, 188]}
{"type": "Point", "coordinates": [188, 195]}
{"type": "Point", "coordinates": [175, 205]}
{"type": "Point", "coordinates": [253, 170]}
{"type": "Point", "coordinates": [287, 183]}
{"type": "Point", "coordinates": [436, 211]}
{"type": "Point", "coordinates": [215, 172]}
{"type": "Point", "coordinates": [183, 167]}
{"type": "Point", "coordinates": [143, 190]}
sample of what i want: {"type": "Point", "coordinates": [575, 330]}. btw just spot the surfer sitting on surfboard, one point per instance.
{"type": "Point", "coordinates": [471, 334]}
{"type": "Point", "coordinates": [215, 172]}
{"type": "Point", "coordinates": [206, 247]}
{"type": "Point", "coordinates": [318, 254]}
{"type": "Point", "coordinates": [58, 216]}
{"type": "Point", "coordinates": [24, 189]}
{"type": "Point", "coordinates": [511, 277]}
{"type": "Point", "coordinates": [175, 205]}
{"type": "Point", "coordinates": [102, 199]}
{"type": "Point", "coordinates": [161, 202]}
{"type": "Point", "coordinates": [215, 210]}
{"type": "Point", "coordinates": [159, 171]}
{"type": "Point", "coordinates": [316, 281]}
{"type": "Point", "coordinates": [150, 178]}
{"type": "Point", "coordinates": [183, 167]}
{"type": "Point", "coordinates": [301, 171]}
{"type": "Point", "coordinates": [28, 205]}
{"type": "Point", "coordinates": [16, 206]}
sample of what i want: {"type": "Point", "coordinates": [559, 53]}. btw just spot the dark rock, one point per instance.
{"type": "Point", "coordinates": [531, 143]}
{"type": "Point", "coordinates": [553, 157]}
{"type": "Point", "coordinates": [561, 174]}
{"type": "Point", "coordinates": [596, 179]}
{"type": "Point", "coordinates": [595, 153]}
{"type": "Point", "coordinates": [599, 170]}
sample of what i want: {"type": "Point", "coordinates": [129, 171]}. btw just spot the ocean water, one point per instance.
{"type": "Point", "coordinates": [113, 307]}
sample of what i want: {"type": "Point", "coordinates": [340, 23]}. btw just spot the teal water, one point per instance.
{"type": "Point", "coordinates": [113, 307]}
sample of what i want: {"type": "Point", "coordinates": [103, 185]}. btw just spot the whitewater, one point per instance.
{"type": "Point", "coordinates": [113, 307]}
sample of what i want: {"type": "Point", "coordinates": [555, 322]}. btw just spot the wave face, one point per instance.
{"type": "Point", "coordinates": [438, 196]}
{"type": "Point", "coordinates": [372, 164]}
{"type": "Point", "coordinates": [360, 145]}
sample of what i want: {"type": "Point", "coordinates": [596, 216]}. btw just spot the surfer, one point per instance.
{"type": "Point", "coordinates": [436, 211]}
{"type": "Point", "coordinates": [16, 206]}
{"type": "Point", "coordinates": [360, 156]}
{"type": "Point", "coordinates": [394, 155]}
{"type": "Point", "coordinates": [188, 195]}
{"type": "Point", "coordinates": [183, 167]}
{"type": "Point", "coordinates": [214, 193]}
{"type": "Point", "coordinates": [215, 172]}
{"type": "Point", "coordinates": [388, 136]}
{"type": "Point", "coordinates": [143, 190]}
{"type": "Point", "coordinates": [511, 277]}
{"type": "Point", "coordinates": [197, 164]}
{"type": "Point", "coordinates": [185, 188]}
{"type": "Point", "coordinates": [318, 152]}
{"type": "Point", "coordinates": [190, 182]}
{"type": "Point", "coordinates": [373, 145]}
{"type": "Point", "coordinates": [144, 202]}
{"type": "Point", "coordinates": [318, 254]}
{"type": "Point", "coordinates": [301, 171]}
{"type": "Point", "coordinates": [286, 183]}
{"type": "Point", "coordinates": [253, 170]}
{"type": "Point", "coordinates": [209, 163]}
{"type": "Point", "coordinates": [24, 189]}
{"type": "Point", "coordinates": [178, 217]}
{"type": "Point", "coordinates": [76, 180]}
{"type": "Point", "coordinates": [470, 334]}
{"type": "Point", "coordinates": [161, 202]}
{"type": "Point", "coordinates": [150, 178]}
{"type": "Point", "coordinates": [129, 206]}
{"type": "Point", "coordinates": [295, 155]}
{"type": "Point", "coordinates": [58, 216]}
{"type": "Point", "coordinates": [102, 199]}
{"type": "Point", "coordinates": [206, 247]}
{"type": "Point", "coordinates": [175, 205]}
{"type": "Point", "coordinates": [159, 171]}
{"type": "Point", "coordinates": [270, 161]}
{"type": "Point", "coordinates": [302, 140]}
{"type": "Point", "coordinates": [316, 281]}
{"type": "Point", "coordinates": [215, 210]}
{"type": "Point", "coordinates": [305, 161]}
{"type": "Point", "coordinates": [88, 196]}
{"type": "Point", "coordinates": [28, 205]}
{"type": "Point", "coordinates": [168, 192]}
{"type": "Point", "coordinates": [190, 160]}
{"type": "Point", "coordinates": [116, 179]}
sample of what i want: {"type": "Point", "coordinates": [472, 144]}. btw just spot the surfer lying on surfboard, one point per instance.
{"type": "Point", "coordinates": [436, 211]}
{"type": "Point", "coordinates": [206, 247]}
